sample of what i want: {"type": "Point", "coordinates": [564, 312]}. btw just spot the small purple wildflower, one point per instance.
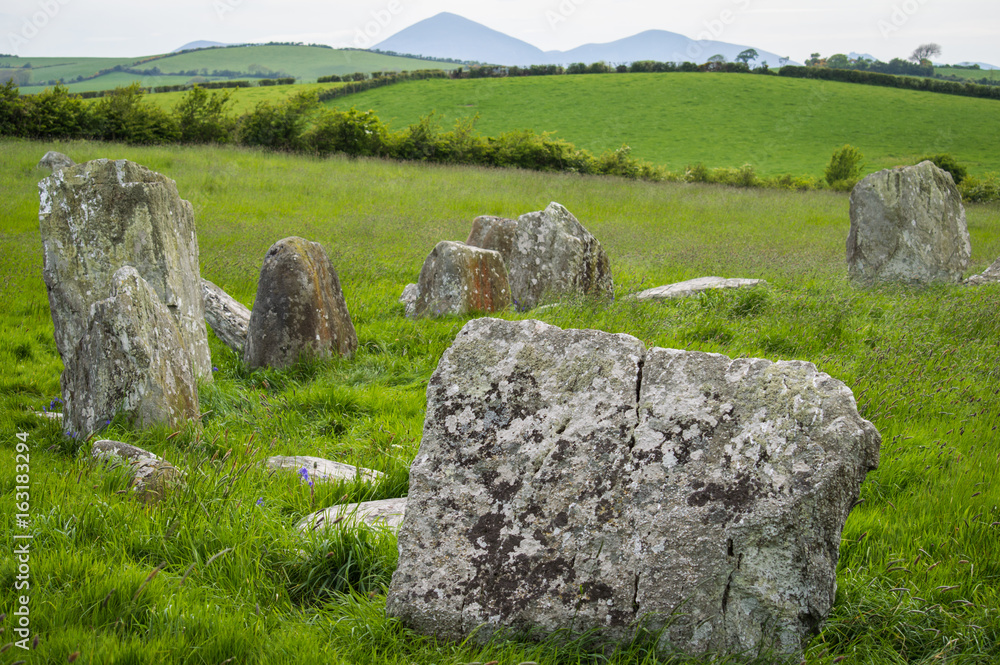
{"type": "Point", "coordinates": [215, 369]}
{"type": "Point", "coordinates": [260, 501]}
{"type": "Point", "coordinates": [304, 472]}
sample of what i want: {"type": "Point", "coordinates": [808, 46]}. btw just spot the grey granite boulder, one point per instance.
{"type": "Point", "coordinates": [574, 480]}
{"type": "Point", "coordinates": [409, 299]}
{"type": "Point", "coordinates": [908, 225]}
{"type": "Point", "coordinates": [152, 477]}
{"type": "Point", "coordinates": [299, 311]}
{"type": "Point", "coordinates": [553, 255]}
{"type": "Point", "coordinates": [54, 161]}
{"type": "Point", "coordinates": [102, 215]}
{"type": "Point", "coordinates": [386, 513]}
{"type": "Point", "coordinates": [493, 233]}
{"type": "Point", "coordinates": [695, 286]}
{"type": "Point", "coordinates": [229, 318]}
{"type": "Point", "coordinates": [323, 469]}
{"type": "Point", "coordinates": [130, 360]}
{"type": "Point", "coordinates": [989, 276]}
{"type": "Point", "coordinates": [459, 279]}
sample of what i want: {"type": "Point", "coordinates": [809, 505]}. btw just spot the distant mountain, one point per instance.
{"type": "Point", "coordinates": [861, 56]}
{"type": "Point", "coordinates": [198, 44]}
{"type": "Point", "coordinates": [448, 35]}
{"type": "Point", "coordinates": [982, 65]}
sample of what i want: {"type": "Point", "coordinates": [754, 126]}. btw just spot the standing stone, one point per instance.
{"type": "Point", "coordinates": [102, 215]}
{"type": "Point", "coordinates": [228, 317]}
{"type": "Point", "coordinates": [459, 279]}
{"type": "Point", "coordinates": [131, 360]}
{"type": "Point", "coordinates": [494, 233]}
{"type": "Point", "coordinates": [908, 225]}
{"type": "Point", "coordinates": [300, 310]}
{"type": "Point", "coordinates": [573, 480]}
{"type": "Point", "coordinates": [54, 161]}
{"type": "Point", "coordinates": [553, 255]}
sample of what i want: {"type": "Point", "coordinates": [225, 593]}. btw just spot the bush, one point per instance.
{"type": "Point", "coordinates": [351, 132]}
{"type": "Point", "coordinates": [950, 164]}
{"type": "Point", "coordinates": [121, 116]}
{"type": "Point", "coordinates": [278, 126]}
{"type": "Point", "coordinates": [696, 173]}
{"type": "Point", "coordinates": [55, 114]}
{"type": "Point", "coordinates": [982, 189]}
{"type": "Point", "coordinates": [202, 118]}
{"type": "Point", "coordinates": [845, 168]}
{"type": "Point", "coordinates": [11, 109]}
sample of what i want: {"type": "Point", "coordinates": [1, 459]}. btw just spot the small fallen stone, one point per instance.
{"type": "Point", "coordinates": [229, 318]}
{"type": "Point", "coordinates": [409, 298]}
{"type": "Point", "coordinates": [54, 160]}
{"type": "Point", "coordinates": [51, 415]}
{"type": "Point", "coordinates": [152, 477]}
{"type": "Point", "coordinates": [989, 276]}
{"type": "Point", "coordinates": [693, 287]}
{"type": "Point", "coordinates": [324, 469]}
{"type": "Point", "coordinates": [386, 513]}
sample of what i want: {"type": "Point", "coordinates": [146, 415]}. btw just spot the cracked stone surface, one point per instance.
{"type": "Point", "coordinates": [54, 161]}
{"type": "Point", "coordinates": [573, 479]}
{"type": "Point", "coordinates": [323, 469]}
{"type": "Point", "coordinates": [493, 233]}
{"type": "Point", "coordinates": [459, 279]}
{"type": "Point", "coordinates": [103, 215]}
{"type": "Point", "coordinates": [228, 317]}
{"type": "Point", "coordinates": [299, 311]}
{"type": "Point", "coordinates": [908, 225]}
{"type": "Point", "coordinates": [695, 286]}
{"type": "Point", "coordinates": [387, 513]}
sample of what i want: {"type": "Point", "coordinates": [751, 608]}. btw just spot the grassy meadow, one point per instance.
{"type": "Point", "coordinates": [971, 74]}
{"type": "Point", "coordinates": [779, 125]}
{"type": "Point", "coordinates": [217, 573]}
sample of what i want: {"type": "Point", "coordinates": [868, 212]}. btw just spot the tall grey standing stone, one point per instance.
{"type": "Point", "coordinates": [908, 225]}
{"type": "Point", "coordinates": [573, 480]}
{"type": "Point", "coordinates": [54, 161]}
{"type": "Point", "coordinates": [102, 215]}
{"type": "Point", "coordinates": [554, 255]}
{"type": "Point", "coordinates": [131, 360]}
{"type": "Point", "coordinates": [459, 279]}
{"type": "Point", "coordinates": [299, 311]}
{"type": "Point", "coordinates": [228, 317]}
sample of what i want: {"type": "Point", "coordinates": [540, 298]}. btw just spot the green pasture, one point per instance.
{"type": "Point", "coordinates": [243, 100]}
{"type": "Point", "coordinates": [778, 125]}
{"type": "Point", "coordinates": [972, 74]}
{"type": "Point", "coordinates": [306, 63]}
{"type": "Point", "coordinates": [218, 573]}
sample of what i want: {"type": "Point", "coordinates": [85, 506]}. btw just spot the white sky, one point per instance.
{"type": "Point", "coordinates": [967, 30]}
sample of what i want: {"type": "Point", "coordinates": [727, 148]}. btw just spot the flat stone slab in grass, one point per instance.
{"type": "Point", "coordinates": [989, 276]}
{"type": "Point", "coordinates": [228, 317]}
{"type": "Point", "coordinates": [388, 513]}
{"type": "Point", "coordinates": [573, 480]}
{"type": "Point", "coordinates": [695, 286]}
{"type": "Point", "coordinates": [324, 469]}
{"type": "Point", "coordinates": [152, 476]}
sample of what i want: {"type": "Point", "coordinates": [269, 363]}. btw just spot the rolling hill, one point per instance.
{"type": "Point", "coordinates": [448, 35]}
{"type": "Point", "coordinates": [305, 63]}
{"type": "Point", "coordinates": [777, 124]}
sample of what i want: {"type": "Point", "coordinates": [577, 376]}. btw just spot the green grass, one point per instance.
{"type": "Point", "coordinates": [918, 580]}
{"type": "Point", "coordinates": [120, 79]}
{"type": "Point", "coordinates": [306, 63]}
{"type": "Point", "coordinates": [779, 125]}
{"type": "Point", "coordinates": [243, 100]}
{"type": "Point", "coordinates": [972, 74]}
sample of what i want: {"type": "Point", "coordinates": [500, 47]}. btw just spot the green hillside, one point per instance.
{"type": "Point", "coordinates": [305, 63]}
{"type": "Point", "coordinates": [971, 74]}
{"type": "Point", "coordinates": [780, 125]}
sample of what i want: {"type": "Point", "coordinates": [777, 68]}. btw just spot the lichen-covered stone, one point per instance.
{"type": "Point", "coordinates": [989, 276]}
{"type": "Point", "coordinates": [131, 360]}
{"type": "Point", "coordinates": [409, 299]}
{"type": "Point", "coordinates": [54, 161]}
{"type": "Point", "coordinates": [152, 477]}
{"type": "Point", "coordinates": [299, 311]}
{"type": "Point", "coordinates": [459, 279]}
{"type": "Point", "coordinates": [573, 480]}
{"type": "Point", "coordinates": [908, 225]}
{"type": "Point", "coordinates": [554, 255]}
{"type": "Point", "coordinates": [695, 286]}
{"type": "Point", "coordinates": [323, 469]}
{"type": "Point", "coordinates": [493, 233]}
{"type": "Point", "coordinates": [228, 317]}
{"type": "Point", "coordinates": [387, 513]}
{"type": "Point", "coordinates": [102, 215]}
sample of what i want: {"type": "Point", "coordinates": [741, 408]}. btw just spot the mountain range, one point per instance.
{"type": "Point", "coordinates": [448, 35]}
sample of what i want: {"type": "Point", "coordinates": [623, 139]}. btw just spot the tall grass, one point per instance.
{"type": "Point", "coordinates": [918, 581]}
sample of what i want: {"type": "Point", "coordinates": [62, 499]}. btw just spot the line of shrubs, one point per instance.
{"type": "Point", "coordinates": [181, 87]}
{"type": "Point", "coordinates": [301, 124]}
{"type": "Point", "coordinates": [890, 81]}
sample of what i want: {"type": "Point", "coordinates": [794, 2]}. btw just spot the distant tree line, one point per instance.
{"type": "Point", "coordinates": [966, 89]}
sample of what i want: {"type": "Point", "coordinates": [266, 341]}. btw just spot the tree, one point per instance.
{"type": "Point", "coordinates": [718, 57]}
{"type": "Point", "coordinates": [838, 61]}
{"type": "Point", "coordinates": [746, 56]}
{"type": "Point", "coordinates": [925, 52]}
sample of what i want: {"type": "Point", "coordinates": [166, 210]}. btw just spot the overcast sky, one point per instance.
{"type": "Point", "coordinates": [967, 30]}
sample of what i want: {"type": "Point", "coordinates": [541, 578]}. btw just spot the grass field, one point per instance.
{"type": "Point", "coordinates": [243, 100]}
{"type": "Point", "coordinates": [306, 63]}
{"type": "Point", "coordinates": [723, 120]}
{"type": "Point", "coordinates": [976, 74]}
{"type": "Point", "coordinates": [918, 581]}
